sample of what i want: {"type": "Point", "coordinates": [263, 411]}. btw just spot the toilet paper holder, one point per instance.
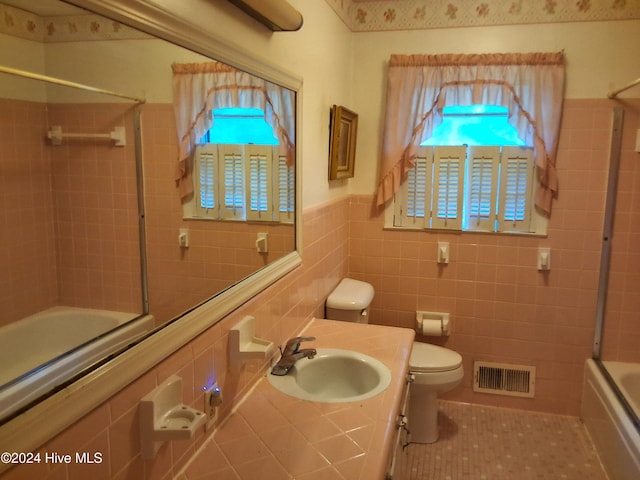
{"type": "Point", "coordinates": [435, 324]}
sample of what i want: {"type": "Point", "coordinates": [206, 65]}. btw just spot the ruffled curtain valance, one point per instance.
{"type": "Point", "coordinates": [199, 88]}
{"type": "Point", "coordinates": [530, 85]}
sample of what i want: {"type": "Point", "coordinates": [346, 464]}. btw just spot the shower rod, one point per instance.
{"type": "Point", "coordinates": [614, 93]}
{"type": "Point", "coordinates": [66, 83]}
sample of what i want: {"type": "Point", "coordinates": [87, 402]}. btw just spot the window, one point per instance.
{"type": "Point", "coordinates": [530, 85]}
{"type": "Point", "coordinates": [240, 126]}
{"type": "Point", "coordinates": [473, 174]}
{"type": "Point", "coordinates": [234, 171]}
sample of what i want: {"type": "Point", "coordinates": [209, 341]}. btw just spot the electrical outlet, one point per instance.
{"type": "Point", "coordinates": [212, 399]}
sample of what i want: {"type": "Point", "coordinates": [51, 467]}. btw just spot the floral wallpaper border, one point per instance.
{"type": "Point", "coordinates": [378, 15]}
{"type": "Point", "coordinates": [358, 15]}
{"type": "Point", "coordinates": [71, 28]}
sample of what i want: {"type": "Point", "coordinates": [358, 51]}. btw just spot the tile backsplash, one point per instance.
{"type": "Point", "coordinates": [502, 308]}
{"type": "Point", "coordinates": [281, 311]}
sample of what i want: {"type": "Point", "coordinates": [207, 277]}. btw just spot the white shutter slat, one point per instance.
{"type": "Point", "coordinates": [414, 206]}
{"type": "Point", "coordinates": [516, 189]}
{"type": "Point", "coordinates": [285, 190]}
{"type": "Point", "coordinates": [233, 191]}
{"type": "Point", "coordinates": [206, 164]}
{"type": "Point", "coordinates": [207, 181]}
{"type": "Point", "coordinates": [259, 193]}
{"type": "Point", "coordinates": [417, 189]}
{"type": "Point", "coordinates": [481, 188]}
{"type": "Point", "coordinates": [448, 174]}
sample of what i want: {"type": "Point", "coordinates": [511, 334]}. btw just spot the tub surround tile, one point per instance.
{"type": "Point", "coordinates": [309, 440]}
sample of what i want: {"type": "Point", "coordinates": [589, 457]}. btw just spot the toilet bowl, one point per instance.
{"type": "Point", "coordinates": [434, 369]}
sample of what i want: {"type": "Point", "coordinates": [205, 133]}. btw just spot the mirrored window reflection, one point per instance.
{"type": "Point", "coordinates": [240, 172]}
{"type": "Point", "coordinates": [240, 126]}
{"type": "Point", "coordinates": [86, 133]}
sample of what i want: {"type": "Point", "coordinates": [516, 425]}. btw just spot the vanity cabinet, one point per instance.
{"type": "Point", "coordinates": [296, 438]}
{"type": "Point", "coordinates": [398, 462]}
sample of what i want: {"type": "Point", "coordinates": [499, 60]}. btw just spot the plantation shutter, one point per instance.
{"type": "Point", "coordinates": [233, 191]}
{"type": "Point", "coordinates": [285, 190]}
{"type": "Point", "coordinates": [206, 163]}
{"type": "Point", "coordinates": [259, 193]}
{"type": "Point", "coordinates": [515, 189]}
{"type": "Point", "coordinates": [414, 198]}
{"type": "Point", "coordinates": [481, 187]}
{"type": "Point", "coordinates": [448, 177]}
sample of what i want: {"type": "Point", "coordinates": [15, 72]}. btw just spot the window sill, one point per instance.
{"type": "Point", "coordinates": [463, 232]}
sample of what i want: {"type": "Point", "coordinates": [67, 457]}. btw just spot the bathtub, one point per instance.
{"type": "Point", "coordinates": [612, 429]}
{"type": "Point", "coordinates": [46, 349]}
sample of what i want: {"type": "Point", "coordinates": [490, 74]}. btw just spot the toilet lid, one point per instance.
{"type": "Point", "coordinates": [432, 358]}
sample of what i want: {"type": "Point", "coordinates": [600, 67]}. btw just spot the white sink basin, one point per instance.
{"type": "Point", "coordinates": [334, 376]}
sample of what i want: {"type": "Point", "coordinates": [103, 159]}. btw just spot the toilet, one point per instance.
{"type": "Point", "coordinates": [434, 369]}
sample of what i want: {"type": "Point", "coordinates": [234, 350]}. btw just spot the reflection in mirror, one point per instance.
{"type": "Point", "coordinates": [94, 224]}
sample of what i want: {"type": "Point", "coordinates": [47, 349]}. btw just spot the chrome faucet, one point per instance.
{"type": "Point", "coordinates": [291, 353]}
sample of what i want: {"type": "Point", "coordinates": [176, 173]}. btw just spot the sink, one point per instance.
{"type": "Point", "coordinates": [334, 376]}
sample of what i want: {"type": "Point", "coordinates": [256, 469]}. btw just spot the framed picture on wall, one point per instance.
{"type": "Point", "coordinates": [342, 142]}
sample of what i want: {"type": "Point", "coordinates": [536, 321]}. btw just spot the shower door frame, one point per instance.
{"type": "Point", "coordinates": [605, 257]}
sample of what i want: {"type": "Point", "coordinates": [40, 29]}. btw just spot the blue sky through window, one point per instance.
{"type": "Point", "coordinates": [475, 125]}
{"type": "Point", "coordinates": [240, 126]}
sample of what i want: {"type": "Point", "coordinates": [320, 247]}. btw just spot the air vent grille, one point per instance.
{"type": "Point", "coordinates": [504, 379]}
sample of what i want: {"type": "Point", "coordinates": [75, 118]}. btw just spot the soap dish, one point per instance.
{"type": "Point", "coordinates": [244, 345]}
{"type": "Point", "coordinates": [163, 417]}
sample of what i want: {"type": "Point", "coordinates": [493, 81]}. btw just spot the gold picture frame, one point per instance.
{"type": "Point", "coordinates": [342, 142]}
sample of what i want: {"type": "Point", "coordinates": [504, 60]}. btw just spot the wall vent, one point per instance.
{"type": "Point", "coordinates": [504, 379]}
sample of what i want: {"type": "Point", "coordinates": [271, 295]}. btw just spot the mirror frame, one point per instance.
{"type": "Point", "coordinates": [34, 427]}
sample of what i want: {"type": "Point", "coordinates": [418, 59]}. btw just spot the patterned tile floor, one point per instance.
{"type": "Point", "coordinates": [478, 442]}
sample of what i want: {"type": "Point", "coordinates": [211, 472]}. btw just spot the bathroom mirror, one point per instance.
{"type": "Point", "coordinates": [92, 215]}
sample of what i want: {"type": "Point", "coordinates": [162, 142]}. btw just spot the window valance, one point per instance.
{"type": "Point", "coordinates": [530, 85]}
{"type": "Point", "coordinates": [199, 88]}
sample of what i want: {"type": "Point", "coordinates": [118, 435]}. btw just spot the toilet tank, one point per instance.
{"type": "Point", "coordinates": [350, 301]}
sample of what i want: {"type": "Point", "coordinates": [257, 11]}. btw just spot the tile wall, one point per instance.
{"type": "Point", "coordinates": [96, 209]}
{"type": "Point", "coordinates": [69, 213]}
{"type": "Point", "coordinates": [220, 253]}
{"type": "Point", "coordinates": [502, 308]}
{"type": "Point", "coordinates": [27, 234]}
{"type": "Point", "coordinates": [281, 311]}
{"type": "Point", "coordinates": [70, 217]}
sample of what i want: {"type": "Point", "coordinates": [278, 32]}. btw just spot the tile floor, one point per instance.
{"type": "Point", "coordinates": [478, 442]}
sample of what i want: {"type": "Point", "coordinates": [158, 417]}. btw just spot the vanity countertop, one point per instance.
{"type": "Point", "coordinates": [274, 436]}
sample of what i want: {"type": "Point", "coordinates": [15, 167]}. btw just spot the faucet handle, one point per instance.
{"type": "Point", "coordinates": [293, 344]}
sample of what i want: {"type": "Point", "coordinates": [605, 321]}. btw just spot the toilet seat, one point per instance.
{"type": "Point", "coordinates": [427, 358]}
